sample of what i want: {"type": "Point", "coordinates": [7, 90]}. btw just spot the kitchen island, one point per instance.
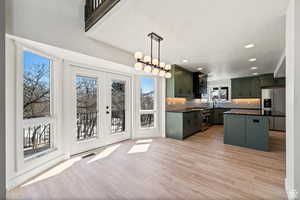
{"type": "Point", "coordinates": [247, 128]}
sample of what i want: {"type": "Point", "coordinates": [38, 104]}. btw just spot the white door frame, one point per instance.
{"type": "Point", "coordinates": [103, 122]}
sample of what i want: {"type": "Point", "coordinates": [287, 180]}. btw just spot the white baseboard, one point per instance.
{"type": "Point", "coordinates": [22, 178]}
{"type": "Point", "coordinates": [291, 193]}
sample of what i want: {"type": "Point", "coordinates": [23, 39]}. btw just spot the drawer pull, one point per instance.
{"type": "Point", "coordinates": [255, 120]}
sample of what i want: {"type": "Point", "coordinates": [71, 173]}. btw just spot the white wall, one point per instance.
{"type": "Point", "coordinates": [293, 99]}
{"type": "Point", "coordinates": [2, 101]}
{"type": "Point", "coordinates": [59, 23]}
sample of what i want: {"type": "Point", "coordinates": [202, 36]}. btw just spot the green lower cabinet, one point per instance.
{"type": "Point", "coordinates": [174, 125]}
{"type": "Point", "coordinates": [246, 131]}
{"type": "Point", "coordinates": [182, 125]}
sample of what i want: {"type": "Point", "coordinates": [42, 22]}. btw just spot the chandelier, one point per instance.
{"type": "Point", "coordinates": [150, 64]}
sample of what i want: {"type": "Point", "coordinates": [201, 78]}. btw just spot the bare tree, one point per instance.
{"type": "Point", "coordinates": [36, 91]}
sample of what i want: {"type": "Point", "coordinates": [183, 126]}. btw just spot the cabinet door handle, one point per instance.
{"type": "Point", "coordinates": [255, 120]}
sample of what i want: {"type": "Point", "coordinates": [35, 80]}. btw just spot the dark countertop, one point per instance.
{"type": "Point", "coordinates": [204, 108]}
{"type": "Point", "coordinates": [187, 110]}
{"type": "Point", "coordinates": [254, 112]}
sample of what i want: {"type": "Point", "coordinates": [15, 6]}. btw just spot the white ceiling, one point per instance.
{"type": "Point", "coordinates": [208, 33]}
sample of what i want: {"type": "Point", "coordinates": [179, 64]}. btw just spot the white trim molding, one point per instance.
{"type": "Point", "coordinates": [292, 194]}
{"type": "Point", "coordinates": [279, 65]}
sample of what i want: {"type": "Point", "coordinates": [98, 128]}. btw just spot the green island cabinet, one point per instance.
{"type": "Point", "coordinates": [181, 83]}
{"type": "Point", "coordinates": [246, 131]}
{"type": "Point", "coordinates": [183, 124]}
{"type": "Point", "coordinates": [250, 87]}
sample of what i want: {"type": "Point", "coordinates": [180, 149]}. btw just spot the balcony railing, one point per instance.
{"type": "Point", "coordinates": [36, 139]}
{"type": "Point", "coordinates": [87, 124]}
{"type": "Point", "coordinates": [117, 121]}
{"type": "Point", "coordinates": [96, 9]}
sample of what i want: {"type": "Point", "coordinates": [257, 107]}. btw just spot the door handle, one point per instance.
{"type": "Point", "coordinates": [255, 120]}
{"type": "Point", "coordinates": [107, 109]}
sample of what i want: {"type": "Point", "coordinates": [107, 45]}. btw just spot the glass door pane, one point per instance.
{"type": "Point", "coordinates": [86, 92]}
{"type": "Point", "coordinates": [118, 105]}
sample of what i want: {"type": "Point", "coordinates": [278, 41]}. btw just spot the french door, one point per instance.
{"type": "Point", "coordinates": [101, 109]}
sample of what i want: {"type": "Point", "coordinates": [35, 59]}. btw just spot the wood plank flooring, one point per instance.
{"type": "Point", "coordinates": [200, 167]}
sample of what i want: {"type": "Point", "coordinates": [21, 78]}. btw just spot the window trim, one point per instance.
{"type": "Point", "coordinates": [22, 163]}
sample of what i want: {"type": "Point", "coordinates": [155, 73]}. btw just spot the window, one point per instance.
{"type": "Point", "coordinates": [147, 102]}
{"type": "Point", "coordinates": [219, 94]}
{"type": "Point", "coordinates": [224, 93]}
{"type": "Point", "coordinates": [36, 86]}
{"type": "Point", "coordinates": [214, 94]}
{"type": "Point", "coordinates": [37, 104]}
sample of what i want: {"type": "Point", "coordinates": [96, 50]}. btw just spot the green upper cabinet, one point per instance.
{"type": "Point", "coordinates": [255, 90]}
{"type": "Point", "coordinates": [250, 87]}
{"type": "Point", "coordinates": [181, 83]}
{"type": "Point", "coordinates": [235, 88]}
{"type": "Point", "coordinates": [266, 80]}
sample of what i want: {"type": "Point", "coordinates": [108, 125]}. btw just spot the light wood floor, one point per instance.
{"type": "Point", "coordinates": [200, 167]}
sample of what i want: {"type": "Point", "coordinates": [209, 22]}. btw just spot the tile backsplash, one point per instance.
{"type": "Point", "coordinates": [181, 103]}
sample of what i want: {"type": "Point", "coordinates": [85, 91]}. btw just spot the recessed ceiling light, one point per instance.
{"type": "Point", "coordinates": [252, 59]}
{"type": "Point", "coordinates": [185, 61]}
{"type": "Point", "coordinates": [253, 68]}
{"type": "Point", "coordinates": [200, 68]}
{"type": "Point", "coordinates": [248, 46]}
{"type": "Point", "coordinates": [255, 73]}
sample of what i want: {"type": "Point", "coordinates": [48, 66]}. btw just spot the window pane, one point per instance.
{"type": "Point", "coordinates": [117, 106]}
{"type": "Point", "coordinates": [147, 120]}
{"type": "Point", "coordinates": [147, 93]}
{"type": "Point", "coordinates": [36, 86]}
{"type": "Point", "coordinates": [36, 139]}
{"type": "Point", "coordinates": [214, 94]}
{"type": "Point", "coordinates": [86, 89]}
{"type": "Point", "coordinates": [224, 93]}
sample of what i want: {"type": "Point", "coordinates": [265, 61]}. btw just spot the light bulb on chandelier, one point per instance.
{"type": "Point", "coordinates": [138, 66]}
{"type": "Point", "coordinates": [147, 68]}
{"type": "Point", "coordinates": [155, 71]}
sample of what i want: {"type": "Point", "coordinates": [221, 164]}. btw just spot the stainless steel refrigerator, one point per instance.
{"type": "Point", "coordinates": [273, 104]}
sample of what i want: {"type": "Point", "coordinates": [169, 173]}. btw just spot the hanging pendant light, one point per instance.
{"type": "Point", "coordinates": [150, 64]}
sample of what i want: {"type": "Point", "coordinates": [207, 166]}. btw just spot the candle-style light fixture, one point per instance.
{"type": "Point", "coordinates": [150, 64]}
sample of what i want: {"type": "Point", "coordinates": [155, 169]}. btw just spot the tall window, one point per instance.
{"type": "Point", "coordinates": [147, 105]}
{"type": "Point", "coordinates": [37, 104]}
